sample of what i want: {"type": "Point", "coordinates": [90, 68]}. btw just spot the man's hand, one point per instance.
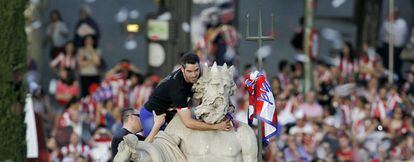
{"type": "Point", "coordinates": [191, 123]}
{"type": "Point", "coordinates": [223, 125]}
{"type": "Point", "coordinates": [159, 120]}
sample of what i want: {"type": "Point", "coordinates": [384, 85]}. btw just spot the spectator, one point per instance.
{"type": "Point", "coordinates": [123, 88]}
{"type": "Point", "coordinates": [408, 86]}
{"type": "Point", "coordinates": [57, 33]}
{"type": "Point", "coordinates": [43, 108]}
{"type": "Point", "coordinates": [297, 39]}
{"type": "Point", "coordinates": [346, 152]}
{"type": "Point", "coordinates": [276, 86]}
{"type": "Point", "coordinates": [89, 59]}
{"type": "Point", "coordinates": [132, 125]}
{"type": "Point", "coordinates": [124, 68]}
{"type": "Point", "coordinates": [397, 126]}
{"type": "Point", "coordinates": [141, 93]}
{"type": "Point", "coordinates": [284, 73]}
{"type": "Point", "coordinates": [104, 116]}
{"type": "Point", "coordinates": [295, 151]}
{"type": "Point", "coordinates": [312, 110]}
{"type": "Point", "coordinates": [367, 63]}
{"type": "Point", "coordinates": [66, 58]}
{"type": "Point", "coordinates": [301, 125]}
{"type": "Point", "coordinates": [101, 145]}
{"type": "Point", "coordinates": [347, 64]}
{"type": "Point", "coordinates": [323, 83]}
{"type": "Point", "coordinates": [75, 150]}
{"type": "Point", "coordinates": [399, 29]}
{"type": "Point", "coordinates": [330, 125]}
{"type": "Point", "coordinates": [85, 27]}
{"type": "Point", "coordinates": [66, 87]}
{"type": "Point", "coordinates": [117, 126]}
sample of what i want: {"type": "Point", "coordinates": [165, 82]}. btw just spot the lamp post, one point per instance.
{"type": "Point", "coordinates": [306, 42]}
{"type": "Point", "coordinates": [391, 42]}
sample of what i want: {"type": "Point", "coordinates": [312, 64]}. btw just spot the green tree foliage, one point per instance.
{"type": "Point", "coordinates": [13, 44]}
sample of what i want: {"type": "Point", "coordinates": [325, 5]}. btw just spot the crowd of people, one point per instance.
{"type": "Point", "coordinates": [351, 112]}
{"type": "Point", "coordinates": [82, 109]}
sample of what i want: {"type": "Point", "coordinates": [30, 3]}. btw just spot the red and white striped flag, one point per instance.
{"type": "Point", "coordinates": [262, 105]}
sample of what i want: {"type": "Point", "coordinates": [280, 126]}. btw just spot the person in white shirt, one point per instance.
{"type": "Point", "coordinates": [399, 29]}
{"type": "Point", "coordinates": [57, 33]}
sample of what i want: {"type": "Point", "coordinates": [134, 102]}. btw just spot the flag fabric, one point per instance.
{"type": "Point", "coordinates": [262, 105]}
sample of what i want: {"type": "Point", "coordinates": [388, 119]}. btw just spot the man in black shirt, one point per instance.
{"type": "Point", "coordinates": [172, 95]}
{"type": "Point", "coordinates": [131, 125]}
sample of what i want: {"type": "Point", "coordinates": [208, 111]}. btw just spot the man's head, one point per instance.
{"type": "Point", "coordinates": [131, 120]}
{"type": "Point", "coordinates": [73, 103]}
{"type": "Point", "coordinates": [284, 66]}
{"type": "Point", "coordinates": [84, 12]}
{"type": "Point", "coordinates": [55, 16]}
{"type": "Point", "coordinates": [395, 14]}
{"type": "Point", "coordinates": [136, 78]}
{"type": "Point", "coordinates": [310, 97]}
{"type": "Point", "coordinates": [74, 139]}
{"type": "Point", "coordinates": [190, 66]}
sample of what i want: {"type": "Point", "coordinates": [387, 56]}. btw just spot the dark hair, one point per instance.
{"type": "Point", "coordinates": [91, 36]}
{"type": "Point", "coordinates": [275, 78]}
{"type": "Point", "coordinates": [94, 39]}
{"type": "Point", "coordinates": [68, 42]}
{"type": "Point", "coordinates": [301, 21]}
{"type": "Point", "coordinates": [73, 100]}
{"type": "Point", "coordinates": [70, 78]}
{"type": "Point", "coordinates": [74, 49]}
{"type": "Point", "coordinates": [57, 13]}
{"type": "Point", "coordinates": [283, 64]}
{"type": "Point", "coordinates": [247, 66]}
{"type": "Point", "coordinates": [140, 77]}
{"type": "Point", "coordinates": [351, 50]}
{"type": "Point", "coordinates": [124, 60]}
{"type": "Point", "coordinates": [189, 58]}
{"type": "Point", "coordinates": [127, 112]}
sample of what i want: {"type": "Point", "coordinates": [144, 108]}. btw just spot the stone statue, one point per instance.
{"type": "Point", "coordinates": [178, 143]}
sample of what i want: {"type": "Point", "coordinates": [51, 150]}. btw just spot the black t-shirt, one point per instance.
{"type": "Point", "coordinates": [172, 92]}
{"type": "Point", "coordinates": [118, 137]}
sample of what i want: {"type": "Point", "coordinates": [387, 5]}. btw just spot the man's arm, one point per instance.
{"type": "Point", "coordinates": [189, 122]}
{"type": "Point", "coordinates": [114, 145]}
{"type": "Point", "coordinates": [113, 71]}
{"type": "Point", "coordinates": [159, 120]}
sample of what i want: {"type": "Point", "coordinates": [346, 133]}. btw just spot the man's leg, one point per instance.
{"type": "Point", "coordinates": [398, 63]}
{"type": "Point", "coordinates": [147, 120]}
{"type": "Point", "coordinates": [384, 54]}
